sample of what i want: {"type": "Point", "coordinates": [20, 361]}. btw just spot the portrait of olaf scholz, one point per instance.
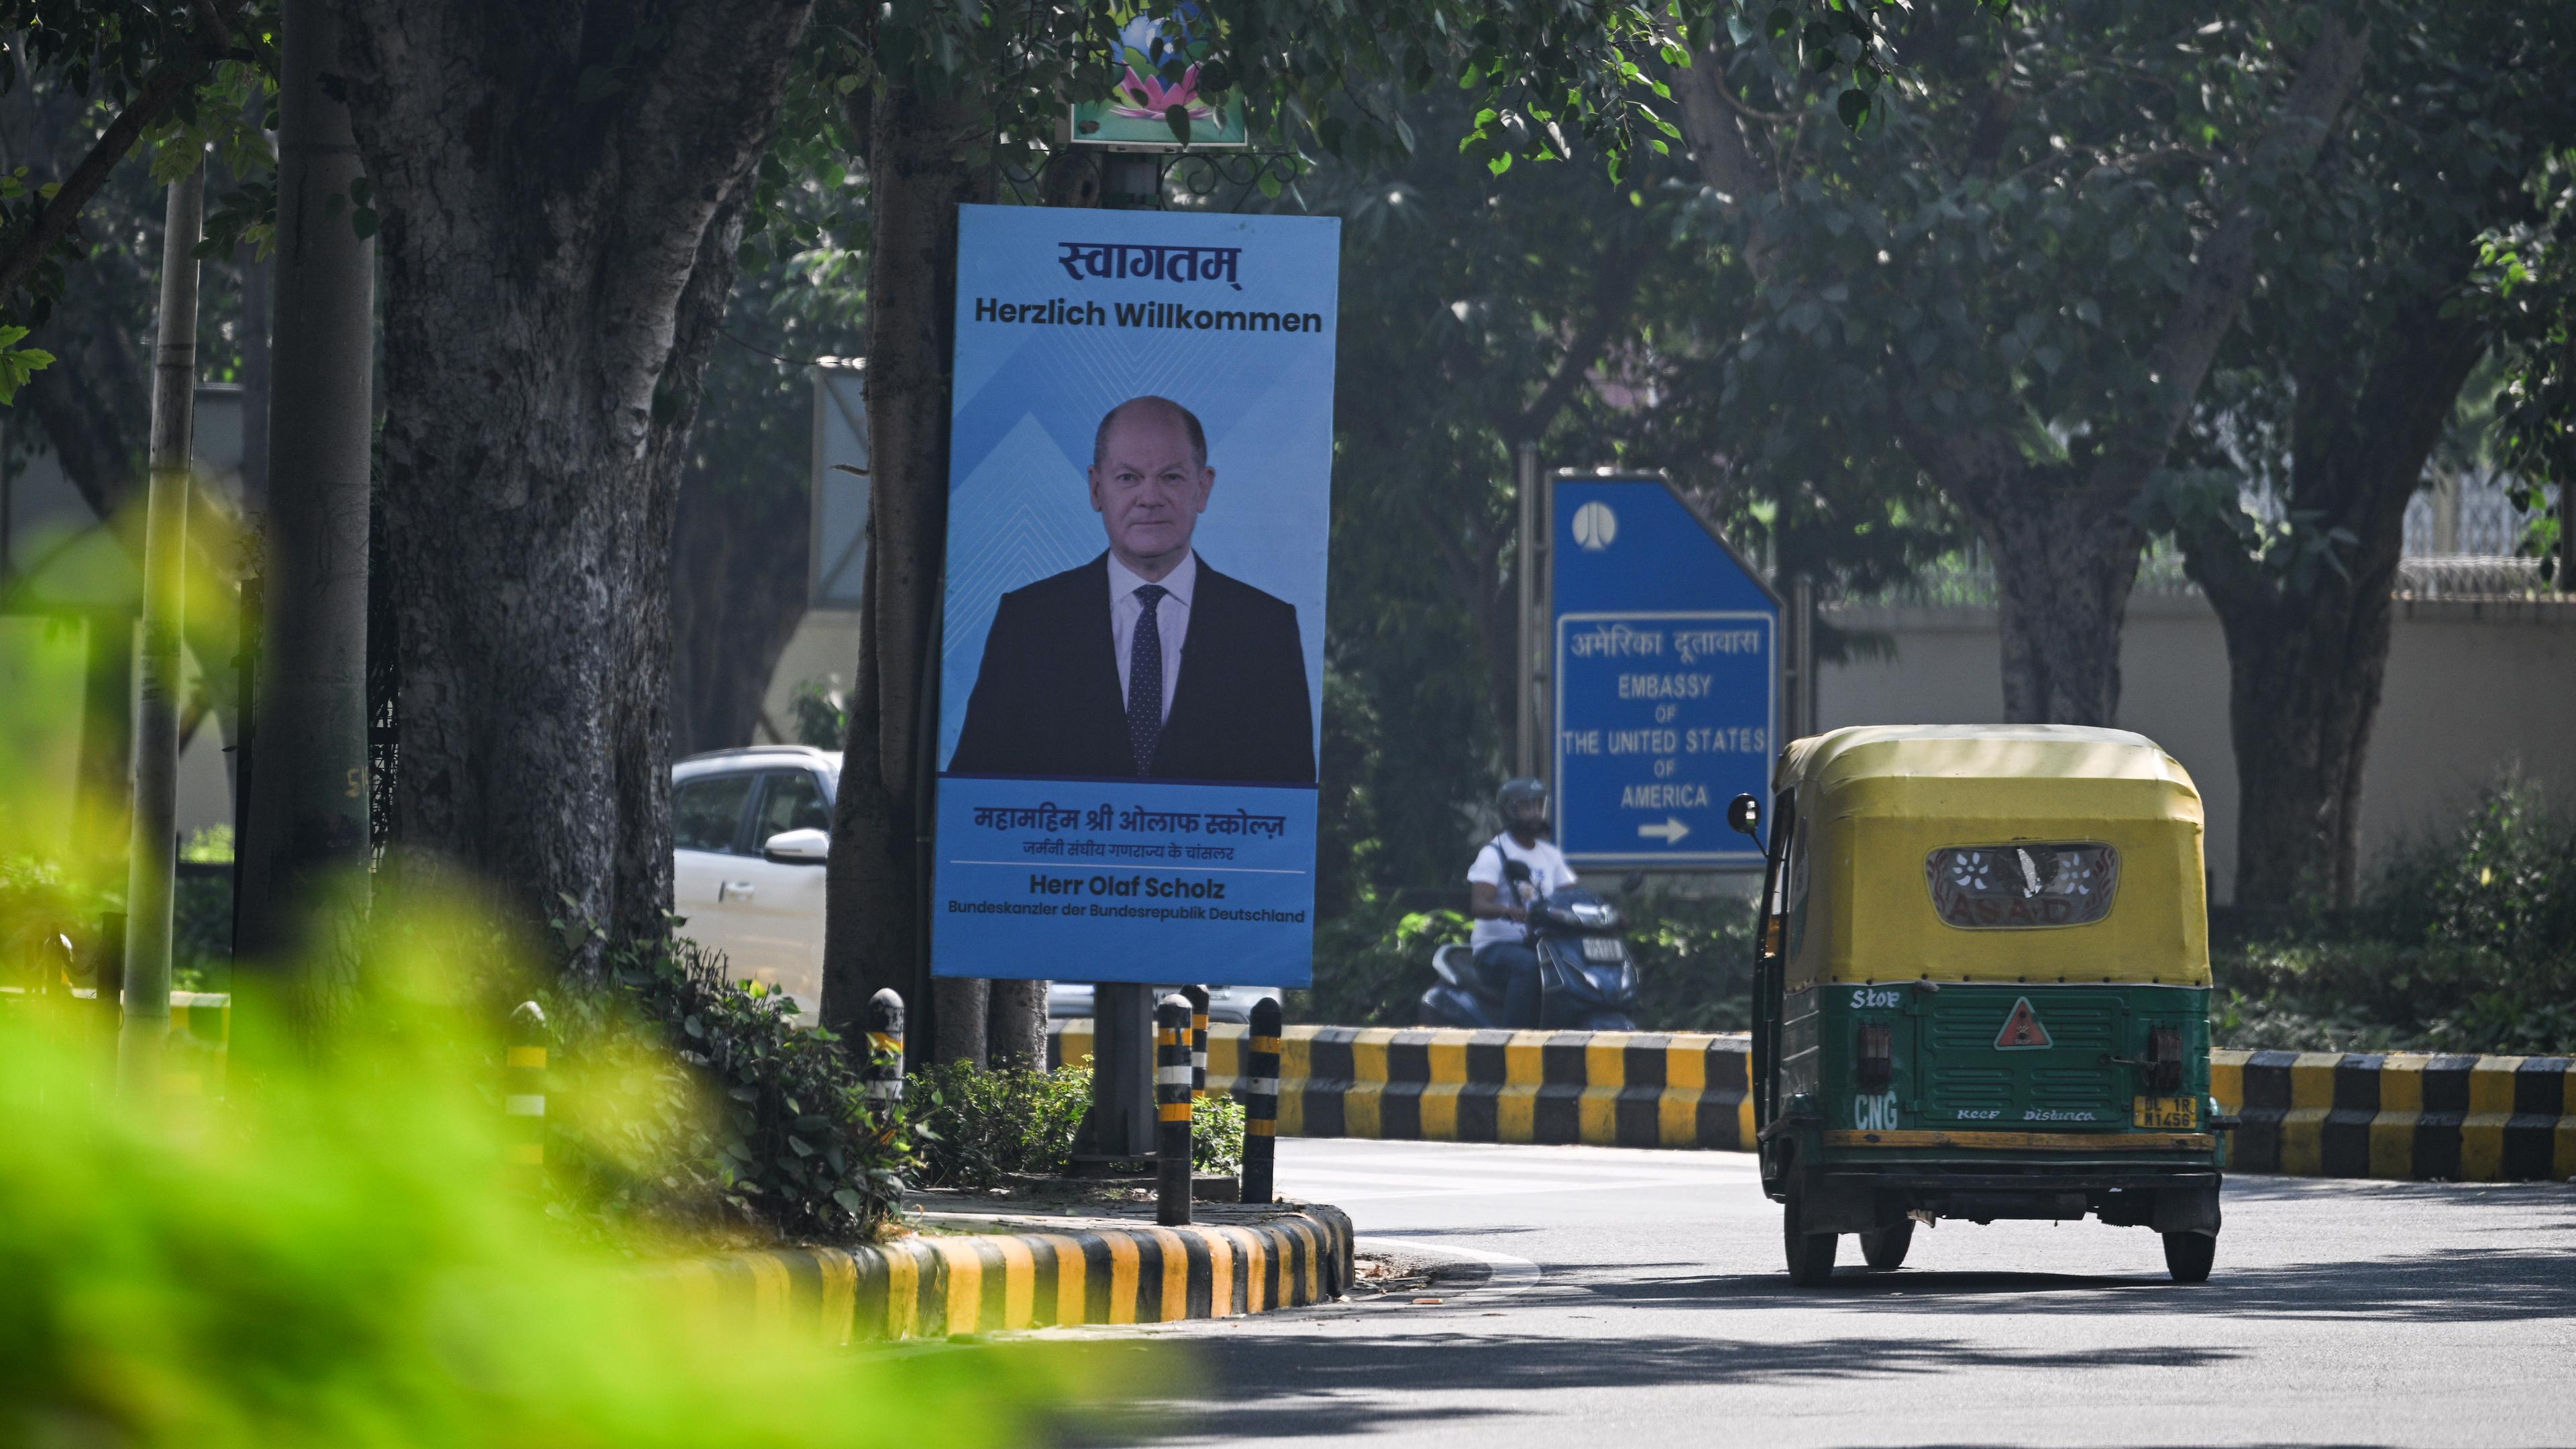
{"type": "Point", "coordinates": [1146, 661]}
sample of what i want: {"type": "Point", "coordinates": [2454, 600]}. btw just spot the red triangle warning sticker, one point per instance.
{"type": "Point", "coordinates": [2022, 1031]}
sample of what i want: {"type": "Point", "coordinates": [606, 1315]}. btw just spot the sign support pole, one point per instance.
{"type": "Point", "coordinates": [1801, 693]}
{"type": "Point", "coordinates": [1525, 757]}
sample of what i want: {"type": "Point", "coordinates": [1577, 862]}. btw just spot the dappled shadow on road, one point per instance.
{"type": "Point", "coordinates": [1326, 1384]}
{"type": "Point", "coordinates": [2450, 1285]}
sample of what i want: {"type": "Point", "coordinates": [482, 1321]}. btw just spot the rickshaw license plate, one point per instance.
{"type": "Point", "coordinates": [2165, 1114]}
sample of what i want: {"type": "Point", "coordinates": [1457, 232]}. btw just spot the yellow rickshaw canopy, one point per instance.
{"type": "Point", "coordinates": [1874, 802]}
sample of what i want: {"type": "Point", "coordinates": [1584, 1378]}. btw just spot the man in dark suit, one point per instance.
{"type": "Point", "coordinates": [1144, 661]}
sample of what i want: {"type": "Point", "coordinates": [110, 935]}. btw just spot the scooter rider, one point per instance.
{"type": "Point", "coordinates": [1499, 943]}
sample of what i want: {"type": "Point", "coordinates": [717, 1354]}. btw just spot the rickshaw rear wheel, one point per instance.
{"type": "Point", "coordinates": [1885, 1249]}
{"type": "Point", "coordinates": [1811, 1255]}
{"type": "Point", "coordinates": [2188, 1256]}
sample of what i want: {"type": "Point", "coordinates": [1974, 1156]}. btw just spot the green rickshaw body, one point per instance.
{"type": "Point", "coordinates": [1983, 989]}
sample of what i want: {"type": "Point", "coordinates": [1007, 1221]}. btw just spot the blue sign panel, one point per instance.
{"type": "Point", "coordinates": [1667, 679]}
{"type": "Point", "coordinates": [1132, 651]}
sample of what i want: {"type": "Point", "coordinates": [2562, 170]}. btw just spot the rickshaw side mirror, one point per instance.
{"type": "Point", "coordinates": [1517, 872]}
{"type": "Point", "coordinates": [1631, 883]}
{"type": "Point", "coordinates": [1744, 816]}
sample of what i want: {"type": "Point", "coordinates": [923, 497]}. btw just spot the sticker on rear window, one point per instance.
{"type": "Point", "coordinates": [2023, 885]}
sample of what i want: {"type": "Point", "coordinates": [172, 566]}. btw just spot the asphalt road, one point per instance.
{"type": "Point", "coordinates": [1637, 1298]}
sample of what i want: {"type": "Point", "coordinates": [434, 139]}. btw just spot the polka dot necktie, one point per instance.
{"type": "Point", "coordinates": [1145, 680]}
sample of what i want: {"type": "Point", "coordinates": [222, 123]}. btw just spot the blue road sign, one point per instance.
{"type": "Point", "coordinates": [1667, 678]}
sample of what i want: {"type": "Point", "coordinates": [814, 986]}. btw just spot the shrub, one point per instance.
{"type": "Point", "coordinates": [1372, 966]}
{"type": "Point", "coordinates": [1216, 1140]}
{"type": "Point", "coordinates": [1694, 961]}
{"type": "Point", "coordinates": [2466, 942]}
{"type": "Point", "coordinates": [2504, 880]}
{"type": "Point", "coordinates": [974, 1126]}
{"type": "Point", "coordinates": [732, 1108]}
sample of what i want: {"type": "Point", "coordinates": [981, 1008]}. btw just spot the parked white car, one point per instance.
{"type": "Point", "coordinates": [750, 831]}
{"type": "Point", "coordinates": [1225, 1003]}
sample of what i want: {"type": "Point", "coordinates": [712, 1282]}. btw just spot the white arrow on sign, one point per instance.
{"type": "Point", "coordinates": [1671, 831]}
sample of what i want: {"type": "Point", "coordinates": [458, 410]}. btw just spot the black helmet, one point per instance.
{"type": "Point", "coordinates": [1522, 799]}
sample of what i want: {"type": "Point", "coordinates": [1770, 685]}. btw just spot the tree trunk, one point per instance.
{"type": "Point", "coordinates": [2307, 649]}
{"type": "Point", "coordinates": [2064, 563]}
{"type": "Point", "coordinates": [1015, 1030]}
{"type": "Point", "coordinates": [2304, 675]}
{"type": "Point", "coordinates": [303, 858]}
{"type": "Point", "coordinates": [738, 593]}
{"type": "Point", "coordinates": [878, 883]}
{"type": "Point", "coordinates": [554, 273]}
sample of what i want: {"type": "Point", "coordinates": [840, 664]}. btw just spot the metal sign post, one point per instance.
{"type": "Point", "coordinates": [1664, 671]}
{"type": "Point", "coordinates": [1526, 754]}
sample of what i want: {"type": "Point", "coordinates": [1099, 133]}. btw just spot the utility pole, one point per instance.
{"type": "Point", "coordinates": [305, 841]}
{"type": "Point", "coordinates": [145, 1026]}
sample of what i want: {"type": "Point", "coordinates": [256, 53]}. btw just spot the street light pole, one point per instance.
{"type": "Point", "coordinates": [144, 1028]}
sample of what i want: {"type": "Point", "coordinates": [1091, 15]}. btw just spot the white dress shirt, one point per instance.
{"type": "Point", "coordinates": [1172, 617]}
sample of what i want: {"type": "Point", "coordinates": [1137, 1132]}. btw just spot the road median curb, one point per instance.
{"type": "Point", "coordinates": [931, 1286]}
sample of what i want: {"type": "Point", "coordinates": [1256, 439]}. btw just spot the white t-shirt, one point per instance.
{"type": "Point", "coordinates": [1548, 874]}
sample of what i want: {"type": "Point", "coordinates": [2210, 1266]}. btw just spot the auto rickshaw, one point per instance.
{"type": "Point", "coordinates": [1982, 989]}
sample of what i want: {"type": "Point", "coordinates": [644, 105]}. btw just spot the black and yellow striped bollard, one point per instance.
{"type": "Point", "coordinates": [1261, 1105]}
{"type": "Point", "coordinates": [523, 1094]}
{"type": "Point", "coordinates": [881, 1077]}
{"type": "Point", "coordinates": [1198, 996]}
{"type": "Point", "coordinates": [1172, 1105]}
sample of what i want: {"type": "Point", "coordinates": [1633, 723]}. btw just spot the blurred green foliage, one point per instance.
{"type": "Point", "coordinates": [335, 1255]}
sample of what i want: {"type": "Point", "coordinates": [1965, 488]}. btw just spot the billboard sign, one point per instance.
{"type": "Point", "coordinates": [1132, 649]}
{"type": "Point", "coordinates": [1667, 693]}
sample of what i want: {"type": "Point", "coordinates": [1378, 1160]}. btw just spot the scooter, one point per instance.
{"type": "Point", "coordinates": [1587, 980]}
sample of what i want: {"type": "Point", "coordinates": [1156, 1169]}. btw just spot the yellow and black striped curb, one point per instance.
{"type": "Point", "coordinates": [930, 1287]}
{"type": "Point", "coordinates": [2402, 1116]}
{"type": "Point", "coordinates": [1609, 1089]}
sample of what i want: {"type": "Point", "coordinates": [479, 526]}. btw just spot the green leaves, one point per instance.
{"type": "Point", "coordinates": [17, 364]}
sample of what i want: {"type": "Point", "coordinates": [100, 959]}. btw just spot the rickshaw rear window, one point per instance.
{"type": "Point", "coordinates": [2023, 885]}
